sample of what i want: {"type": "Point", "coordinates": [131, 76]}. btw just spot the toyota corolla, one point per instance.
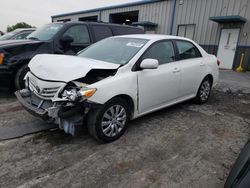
{"type": "Point", "coordinates": [116, 80]}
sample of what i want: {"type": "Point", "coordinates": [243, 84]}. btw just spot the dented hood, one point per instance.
{"type": "Point", "coordinates": [65, 68]}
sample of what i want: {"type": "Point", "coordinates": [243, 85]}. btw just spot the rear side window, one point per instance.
{"type": "Point", "coordinates": [187, 50]}
{"type": "Point", "coordinates": [162, 51]}
{"type": "Point", "coordinates": [127, 30]}
{"type": "Point", "coordinates": [79, 33]}
{"type": "Point", "coordinates": [101, 32]}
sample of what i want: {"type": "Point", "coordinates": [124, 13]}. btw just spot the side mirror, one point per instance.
{"type": "Point", "coordinates": [149, 64]}
{"type": "Point", "coordinates": [66, 39]}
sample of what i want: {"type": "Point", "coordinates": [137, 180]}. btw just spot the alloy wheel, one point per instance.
{"type": "Point", "coordinates": [114, 120]}
{"type": "Point", "coordinates": [205, 90]}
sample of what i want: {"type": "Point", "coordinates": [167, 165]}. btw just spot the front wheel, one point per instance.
{"type": "Point", "coordinates": [204, 91]}
{"type": "Point", "coordinates": [110, 122]}
{"type": "Point", "coordinates": [19, 81]}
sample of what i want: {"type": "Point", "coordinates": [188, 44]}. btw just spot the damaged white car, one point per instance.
{"type": "Point", "coordinates": [116, 80]}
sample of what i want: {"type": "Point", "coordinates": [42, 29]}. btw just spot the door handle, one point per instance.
{"type": "Point", "coordinates": [202, 64]}
{"type": "Point", "coordinates": [176, 70]}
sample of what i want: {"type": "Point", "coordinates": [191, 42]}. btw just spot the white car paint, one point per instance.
{"type": "Point", "coordinates": [65, 68]}
{"type": "Point", "coordinates": [150, 89]}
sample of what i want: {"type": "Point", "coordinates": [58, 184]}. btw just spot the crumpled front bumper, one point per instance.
{"type": "Point", "coordinates": [68, 118]}
{"type": "Point", "coordinates": [31, 108]}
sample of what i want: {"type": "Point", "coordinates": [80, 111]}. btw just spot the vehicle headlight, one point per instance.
{"type": "Point", "coordinates": [1, 58]}
{"type": "Point", "coordinates": [75, 95]}
{"type": "Point", "coordinates": [87, 92]}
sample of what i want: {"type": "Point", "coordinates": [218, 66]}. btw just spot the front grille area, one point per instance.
{"type": "Point", "coordinates": [44, 89]}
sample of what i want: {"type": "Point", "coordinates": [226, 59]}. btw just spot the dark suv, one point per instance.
{"type": "Point", "coordinates": [55, 38]}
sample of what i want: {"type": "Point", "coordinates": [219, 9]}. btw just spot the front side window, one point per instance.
{"type": "Point", "coordinates": [79, 33]}
{"type": "Point", "coordinates": [45, 32]}
{"type": "Point", "coordinates": [162, 51]}
{"type": "Point", "coordinates": [114, 50]}
{"type": "Point", "coordinates": [187, 50]}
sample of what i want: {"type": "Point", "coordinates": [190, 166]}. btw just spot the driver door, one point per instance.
{"type": "Point", "coordinates": [159, 87]}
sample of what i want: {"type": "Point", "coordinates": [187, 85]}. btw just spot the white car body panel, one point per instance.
{"type": "Point", "coordinates": [58, 68]}
{"type": "Point", "coordinates": [154, 86]}
{"type": "Point", "coordinates": [150, 90]}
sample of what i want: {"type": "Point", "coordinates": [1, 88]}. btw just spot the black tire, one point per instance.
{"type": "Point", "coordinates": [19, 82]}
{"type": "Point", "coordinates": [96, 116]}
{"type": "Point", "coordinates": [204, 91]}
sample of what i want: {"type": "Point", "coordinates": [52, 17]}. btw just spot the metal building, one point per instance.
{"type": "Point", "coordinates": [221, 26]}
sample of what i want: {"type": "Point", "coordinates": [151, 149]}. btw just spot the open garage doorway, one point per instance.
{"type": "Point", "coordinates": [89, 19]}
{"type": "Point", "coordinates": [124, 17]}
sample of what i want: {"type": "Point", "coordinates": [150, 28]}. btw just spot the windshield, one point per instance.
{"type": "Point", "coordinates": [8, 36]}
{"type": "Point", "coordinates": [114, 50]}
{"type": "Point", "coordinates": [45, 32]}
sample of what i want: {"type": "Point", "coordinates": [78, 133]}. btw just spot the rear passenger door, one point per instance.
{"type": "Point", "coordinates": [81, 38]}
{"type": "Point", "coordinates": [191, 66]}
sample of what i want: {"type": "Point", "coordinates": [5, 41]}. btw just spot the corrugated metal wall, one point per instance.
{"type": "Point", "coordinates": [198, 12]}
{"type": "Point", "coordinates": [77, 16]}
{"type": "Point", "coordinates": [207, 33]}
{"type": "Point", "coordinates": [153, 12]}
{"type": "Point", "coordinates": [190, 12]}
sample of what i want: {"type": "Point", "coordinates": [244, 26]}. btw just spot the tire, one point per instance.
{"type": "Point", "coordinates": [204, 91]}
{"type": "Point", "coordinates": [104, 125]}
{"type": "Point", "coordinates": [19, 82]}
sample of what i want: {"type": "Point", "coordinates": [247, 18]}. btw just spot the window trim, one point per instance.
{"type": "Point", "coordinates": [136, 66]}
{"type": "Point", "coordinates": [178, 27]}
{"type": "Point", "coordinates": [177, 50]}
{"type": "Point", "coordinates": [77, 43]}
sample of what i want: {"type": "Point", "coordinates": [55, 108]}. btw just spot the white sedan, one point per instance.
{"type": "Point", "coordinates": [116, 80]}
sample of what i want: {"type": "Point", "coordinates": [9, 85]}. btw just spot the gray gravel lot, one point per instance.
{"type": "Point", "coordinates": [185, 145]}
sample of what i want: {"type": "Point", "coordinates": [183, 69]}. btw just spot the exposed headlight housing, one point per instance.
{"type": "Point", "coordinates": [71, 95]}
{"type": "Point", "coordinates": [75, 95]}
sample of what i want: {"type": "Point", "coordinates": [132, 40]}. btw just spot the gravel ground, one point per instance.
{"type": "Point", "coordinates": [185, 145]}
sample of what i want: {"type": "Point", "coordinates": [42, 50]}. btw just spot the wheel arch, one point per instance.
{"type": "Point", "coordinates": [129, 100]}
{"type": "Point", "coordinates": [209, 76]}
{"type": "Point", "coordinates": [22, 63]}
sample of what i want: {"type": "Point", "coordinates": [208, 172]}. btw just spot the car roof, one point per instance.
{"type": "Point", "coordinates": [153, 37]}
{"type": "Point", "coordinates": [25, 29]}
{"type": "Point", "coordinates": [95, 23]}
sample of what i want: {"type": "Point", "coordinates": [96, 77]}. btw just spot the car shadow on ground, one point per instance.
{"type": "Point", "coordinates": [57, 137]}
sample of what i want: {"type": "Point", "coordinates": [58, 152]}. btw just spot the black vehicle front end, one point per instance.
{"type": "Point", "coordinates": [15, 55]}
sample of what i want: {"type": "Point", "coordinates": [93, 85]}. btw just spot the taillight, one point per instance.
{"type": "Point", "coordinates": [218, 62]}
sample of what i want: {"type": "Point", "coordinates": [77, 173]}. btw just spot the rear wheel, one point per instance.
{"type": "Point", "coordinates": [19, 77]}
{"type": "Point", "coordinates": [204, 91]}
{"type": "Point", "coordinates": [109, 122]}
